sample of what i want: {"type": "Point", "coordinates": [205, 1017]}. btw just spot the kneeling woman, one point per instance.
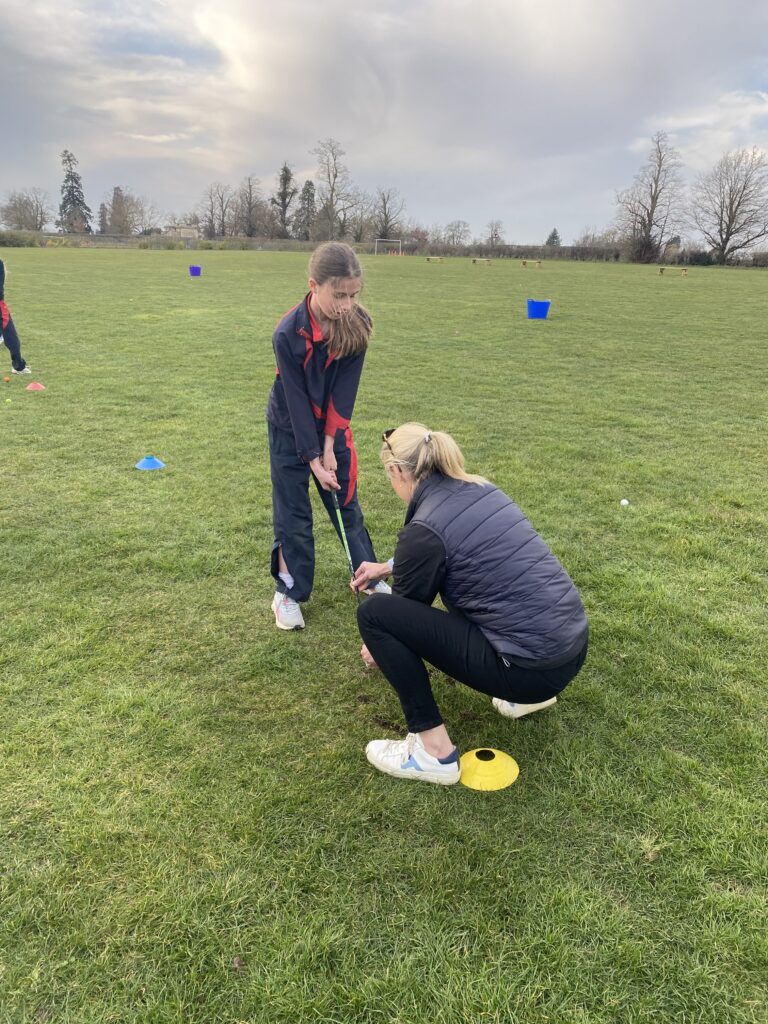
{"type": "Point", "coordinates": [515, 628]}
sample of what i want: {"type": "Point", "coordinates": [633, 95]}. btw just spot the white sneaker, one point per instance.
{"type": "Point", "coordinates": [287, 612]}
{"type": "Point", "coordinates": [407, 759]}
{"type": "Point", "coordinates": [379, 588]}
{"type": "Point", "coordinates": [25, 370]}
{"type": "Point", "coordinates": [510, 710]}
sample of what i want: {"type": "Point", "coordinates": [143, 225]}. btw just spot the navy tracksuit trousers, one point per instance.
{"type": "Point", "coordinates": [11, 339]}
{"type": "Point", "coordinates": [292, 512]}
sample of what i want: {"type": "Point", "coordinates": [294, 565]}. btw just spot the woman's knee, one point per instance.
{"type": "Point", "coordinates": [368, 611]}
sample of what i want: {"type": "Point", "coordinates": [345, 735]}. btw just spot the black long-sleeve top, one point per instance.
{"type": "Point", "coordinates": [419, 570]}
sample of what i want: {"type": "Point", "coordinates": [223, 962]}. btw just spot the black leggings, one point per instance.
{"type": "Point", "coordinates": [401, 634]}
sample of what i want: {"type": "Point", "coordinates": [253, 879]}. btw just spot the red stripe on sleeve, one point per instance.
{"type": "Point", "coordinates": [307, 348]}
{"type": "Point", "coordinates": [4, 312]}
{"type": "Point", "coordinates": [333, 421]}
{"type": "Point", "coordinates": [352, 466]}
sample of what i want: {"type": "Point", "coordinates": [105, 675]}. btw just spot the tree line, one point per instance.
{"type": "Point", "coordinates": [726, 207]}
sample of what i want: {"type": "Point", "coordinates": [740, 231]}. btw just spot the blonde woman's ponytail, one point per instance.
{"type": "Point", "coordinates": [422, 452]}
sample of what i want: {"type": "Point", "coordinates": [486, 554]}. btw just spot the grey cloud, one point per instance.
{"type": "Point", "coordinates": [534, 113]}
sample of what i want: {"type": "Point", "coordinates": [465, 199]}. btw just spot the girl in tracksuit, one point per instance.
{"type": "Point", "coordinates": [8, 331]}
{"type": "Point", "coordinates": [320, 347]}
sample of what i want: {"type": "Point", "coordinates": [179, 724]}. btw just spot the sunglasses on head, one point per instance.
{"type": "Point", "coordinates": [386, 436]}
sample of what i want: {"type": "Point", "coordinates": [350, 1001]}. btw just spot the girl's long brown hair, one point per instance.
{"type": "Point", "coordinates": [333, 261]}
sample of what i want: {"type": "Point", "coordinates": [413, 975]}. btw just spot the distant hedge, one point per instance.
{"type": "Point", "coordinates": [19, 240]}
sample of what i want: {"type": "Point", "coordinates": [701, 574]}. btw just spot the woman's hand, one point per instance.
{"type": "Point", "coordinates": [367, 573]}
{"type": "Point", "coordinates": [325, 477]}
{"type": "Point", "coordinates": [365, 654]}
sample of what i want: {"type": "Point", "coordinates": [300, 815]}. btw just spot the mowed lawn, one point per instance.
{"type": "Point", "coordinates": [189, 830]}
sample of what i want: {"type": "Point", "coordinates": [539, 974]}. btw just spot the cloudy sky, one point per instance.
{"type": "Point", "coordinates": [532, 112]}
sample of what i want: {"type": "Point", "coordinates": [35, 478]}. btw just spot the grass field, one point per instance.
{"type": "Point", "coordinates": [189, 830]}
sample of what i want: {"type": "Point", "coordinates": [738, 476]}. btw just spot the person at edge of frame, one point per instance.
{"type": "Point", "coordinates": [515, 627]}
{"type": "Point", "coordinates": [8, 334]}
{"type": "Point", "coordinates": [320, 348]}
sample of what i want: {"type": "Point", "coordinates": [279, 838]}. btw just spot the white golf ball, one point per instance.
{"type": "Point", "coordinates": [624, 502]}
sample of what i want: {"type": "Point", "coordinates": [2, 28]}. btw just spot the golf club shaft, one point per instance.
{"type": "Point", "coordinates": [344, 540]}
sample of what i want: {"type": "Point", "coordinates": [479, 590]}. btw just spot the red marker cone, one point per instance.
{"type": "Point", "coordinates": [35, 386]}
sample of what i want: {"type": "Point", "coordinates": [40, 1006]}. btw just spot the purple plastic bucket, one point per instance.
{"type": "Point", "coordinates": [195, 271]}
{"type": "Point", "coordinates": [538, 310]}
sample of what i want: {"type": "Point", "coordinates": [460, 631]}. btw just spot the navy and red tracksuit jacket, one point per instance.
{"type": "Point", "coordinates": [314, 392]}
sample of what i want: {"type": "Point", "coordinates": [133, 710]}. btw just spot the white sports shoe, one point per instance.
{"type": "Point", "coordinates": [287, 612]}
{"type": "Point", "coordinates": [510, 710]}
{"type": "Point", "coordinates": [379, 588]}
{"type": "Point", "coordinates": [407, 759]}
{"type": "Point", "coordinates": [25, 370]}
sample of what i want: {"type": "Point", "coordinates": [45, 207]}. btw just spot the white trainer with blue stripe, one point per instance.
{"type": "Point", "coordinates": [407, 759]}
{"type": "Point", "coordinates": [511, 710]}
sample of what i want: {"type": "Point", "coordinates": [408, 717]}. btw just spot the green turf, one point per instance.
{"type": "Point", "coordinates": [189, 831]}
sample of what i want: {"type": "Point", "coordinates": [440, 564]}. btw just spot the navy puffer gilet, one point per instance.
{"type": "Point", "coordinates": [499, 572]}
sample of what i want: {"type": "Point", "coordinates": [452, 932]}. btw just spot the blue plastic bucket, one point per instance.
{"type": "Point", "coordinates": [195, 271]}
{"type": "Point", "coordinates": [538, 310]}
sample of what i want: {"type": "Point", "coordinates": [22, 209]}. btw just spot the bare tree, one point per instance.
{"type": "Point", "coordinates": [494, 232]}
{"type": "Point", "coordinates": [225, 202]}
{"type": "Point", "coordinates": [334, 188]}
{"type": "Point", "coordinates": [191, 219]}
{"type": "Point", "coordinates": [417, 235]}
{"type": "Point", "coordinates": [26, 210]}
{"type": "Point", "coordinates": [216, 210]}
{"type": "Point", "coordinates": [388, 207]}
{"type": "Point", "coordinates": [249, 204]}
{"type": "Point", "coordinates": [649, 210]}
{"type": "Point", "coordinates": [457, 232]}
{"type": "Point", "coordinates": [358, 219]}
{"type": "Point", "coordinates": [207, 212]}
{"type": "Point", "coordinates": [148, 216]}
{"type": "Point", "coordinates": [729, 204]}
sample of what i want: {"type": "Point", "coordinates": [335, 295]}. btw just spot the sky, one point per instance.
{"type": "Point", "coordinates": [531, 112]}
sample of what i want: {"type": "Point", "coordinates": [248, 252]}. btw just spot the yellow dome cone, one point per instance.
{"type": "Point", "coordinates": [488, 769]}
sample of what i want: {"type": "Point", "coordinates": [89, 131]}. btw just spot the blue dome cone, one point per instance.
{"type": "Point", "coordinates": [150, 462]}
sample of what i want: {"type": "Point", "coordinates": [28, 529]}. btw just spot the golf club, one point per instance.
{"type": "Point", "coordinates": [344, 541]}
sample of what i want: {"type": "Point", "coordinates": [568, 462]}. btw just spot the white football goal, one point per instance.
{"type": "Point", "coordinates": [387, 245]}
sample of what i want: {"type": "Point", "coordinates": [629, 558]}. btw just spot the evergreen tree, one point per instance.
{"type": "Point", "coordinates": [553, 238]}
{"type": "Point", "coordinates": [306, 213]}
{"type": "Point", "coordinates": [283, 197]}
{"type": "Point", "coordinates": [103, 219]}
{"type": "Point", "coordinates": [74, 213]}
{"type": "Point", "coordinates": [121, 220]}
